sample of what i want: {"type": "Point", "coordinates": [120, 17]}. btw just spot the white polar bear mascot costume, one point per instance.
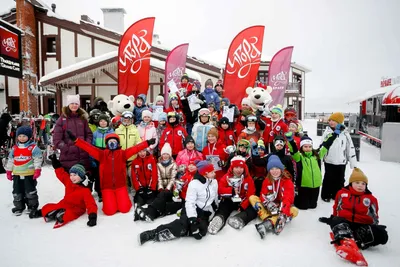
{"type": "Point", "coordinates": [260, 98]}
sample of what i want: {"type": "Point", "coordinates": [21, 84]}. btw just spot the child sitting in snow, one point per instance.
{"type": "Point", "coordinates": [167, 169]}
{"type": "Point", "coordinates": [275, 204]}
{"type": "Point", "coordinates": [24, 167]}
{"type": "Point", "coordinates": [355, 214]}
{"type": "Point", "coordinates": [76, 201]}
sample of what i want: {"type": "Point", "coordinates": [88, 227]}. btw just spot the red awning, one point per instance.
{"type": "Point", "coordinates": [392, 97]}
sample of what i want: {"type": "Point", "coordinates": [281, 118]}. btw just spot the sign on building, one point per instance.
{"type": "Point", "coordinates": [10, 51]}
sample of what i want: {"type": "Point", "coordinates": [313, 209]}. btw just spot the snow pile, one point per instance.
{"type": "Point", "coordinates": [113, 242]}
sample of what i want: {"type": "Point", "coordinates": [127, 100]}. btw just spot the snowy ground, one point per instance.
{"type": "Point", "coordinates": [113, 242]}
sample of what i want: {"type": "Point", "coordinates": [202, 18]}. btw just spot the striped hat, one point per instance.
{"type": "Point", "coordinates": [79, 170]}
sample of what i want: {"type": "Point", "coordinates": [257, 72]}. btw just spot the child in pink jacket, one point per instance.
{"type": "Point", "coordinates": [147, 130]}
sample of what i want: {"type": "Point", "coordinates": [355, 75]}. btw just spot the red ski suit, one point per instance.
{"type": "Point", "coordinates": [144, 173]}
{"type": "Point", "coordinates": [186, 178]}
{"type": "Point", "coordinates": [284, 190]}
{"type": "Point", "coordinates": [246, 189]}
{"type": "Point", "coordinates": [356, 207]}
{"type": "Point", "coordinates": [174, 136]}
{"type": "Point", "coordinates": [112, 172]}
{"type": "Point", "coordinates": [272, 129]}
{"type": "Point", "coordinates": [216, 150]}
{"type": "Point", "coordinates": [76, 201]}
{"type": "Point", "coordinates": [226, 137]}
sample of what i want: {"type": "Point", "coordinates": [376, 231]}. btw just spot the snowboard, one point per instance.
{"type": "Point", "coordinates": [348, 250]}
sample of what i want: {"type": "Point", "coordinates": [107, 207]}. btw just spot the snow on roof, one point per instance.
{"type": "Point", "coordinates": [74, 69]}
{"type": "Point", "coordinates": [113, 9]}
{"type": "Point", "coordinates": [372, 93]}
{"type": "Point", "coordinates": [11, 25]}
{"type": "Point", "coordinates": [7, 9]}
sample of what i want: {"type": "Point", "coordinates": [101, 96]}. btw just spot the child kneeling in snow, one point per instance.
{"type": "Point", "coordinates": [355, 214]}
{"type": "Point", "coordinates": [275, 205]}
{"type": "Point", "coordinates": [112, 162]}
{"type": "Point", "coordinates": [76, 201]}
{"type": "Point", "coordinates": [201, 202]}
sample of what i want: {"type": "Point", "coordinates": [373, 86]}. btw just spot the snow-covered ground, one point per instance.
{"type": "Point", "coordinates": [113, 242]}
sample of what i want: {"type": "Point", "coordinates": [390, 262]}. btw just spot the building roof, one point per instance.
{"type": "Point", "coordinates": [92, 67]}
{"type": "Point", "coordinates": [371, 93]}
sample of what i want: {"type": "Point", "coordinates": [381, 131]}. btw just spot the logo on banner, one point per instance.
{"type": "Point", "coordinates": [176, 73]}
{"type": "Point", "coordinates": [245, 56]}
{"type": "Point", "coordinates": [9, 44]}
{"type": "Point", "coordinates": [135, 52]}
{"type": "Point", "coordinates": [279, 80]}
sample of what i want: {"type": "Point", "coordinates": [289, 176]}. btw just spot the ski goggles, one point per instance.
{"type": "Point", "coordinates": [251, 118]}
{"type": "Point", "coordinates": [279, 142]}
{"type": "Point", "coordinates": [204, 112]}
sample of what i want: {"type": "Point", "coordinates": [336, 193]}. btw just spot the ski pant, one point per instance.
{"type": "Point", "coordinates": [25, 192]}
{"type": "Point", "coordinates": [145, 198]}
{"type": "Point", "coordinates": [365, 235]}
{"type": "Point", "coordinates": [70, 213]}
{"type": "Point", "coordinates": [264, 214]}
{"type": "Point", "coordinates": [181, 227]}
{"type": "Point", "coordinates": [95, 178]}
{"type": "Point", "coordinates": [226, 206]}
{"type": "Point", "coordinates": [306, 198]}
{"type": "Point", "coordinates": [116, 200]}
{"type": "Point", "coordinates": [333, 180]}
{"type": "Point", "coordinates": [164, 205]}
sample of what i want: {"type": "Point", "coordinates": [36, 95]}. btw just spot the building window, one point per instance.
{"type": "Point", "coordinates": [262, 76]}
{"type": "Point", "coordinates": [51, 46]}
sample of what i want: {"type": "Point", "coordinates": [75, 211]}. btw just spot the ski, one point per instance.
{"type": "Point", "coordinates": [348, 250]}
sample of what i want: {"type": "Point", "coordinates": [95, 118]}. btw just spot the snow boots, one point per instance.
{"type": "Point", "coordinates": [147, 236]}
{"type": "Point", "coordinates": [264, 227]}
{"type": "Point", "coordinates": [17, 211]}
{"type": "Point", "coordinates": [35, 214]}
{"type": "Point", "coordinates": [55, 215]}
{"type": "Point", "coordinates": [216, 224]}
{"type": "Point", "coordinates": [236, 222]}
{"type": "Point", "coordinates": [142, 214]}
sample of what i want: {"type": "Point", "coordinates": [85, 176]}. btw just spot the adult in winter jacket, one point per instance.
{"type": "Point", "coordinates": [201, 128]}
{"type": "Point", "coordinates": [355, 214]}
{"type": "Point", "coordinates": [188, 154]}
{"type": "Point", "coordinates": [167, 169]}
{"type": "Point", "coordinates": [168, 202]}
{"type": "Point", "coordinates": [225, 134]}
{"type": "Point", "coordinates": [112, 162]}
{"type": "Point", "coordinates": [210, 95]}
{"type": "Point", "coordinates": [340, 153]}
{"type": "Point", "coordinates": [128, 133]}
{"type": "Point", "coordinates": [235, 188]}
{"type": "Point", "coordinates": [309, 177]}
{"type": "Point", "coordinates": [275, 204]}
{"type": "Point", "coordinates": [174, 134]}
{"type": "Point", "coordinates": [74, 119]}
{"type": "Point", "coordinates": [139, 107]}
{"type": "Point", "coordinates": [76, 201]}
{"type": "Point", "coordinates": [201, 202]}
{"type": "Point", "coordinates": [144, 177]}
{"type": "Point", "coordinates": [147, 129]}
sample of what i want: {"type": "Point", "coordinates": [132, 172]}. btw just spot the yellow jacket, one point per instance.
{"type": "Point", "coordinates": [128, 137]}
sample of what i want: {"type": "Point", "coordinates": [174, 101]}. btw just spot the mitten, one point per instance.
{"type": "Point", "coordinates": [140, 191]}
{"type": "Point", "coordinates": [92, 219]}
{"type": "Point", "coordinates": [71, 136]}
{"type": "Point", "coordinates": [37, 174]}
{"type": "Point", "coordinates": [9, 175]}
{"type": "Point", "coordinates": [194, 228]}
{"type": "Point", "coordinates": [289, 136]}
{"type": "Point", "coordinates": [150, 193]}
{"type": "Point", "coordinates": [55, 162]}
{"type": "Point", "coordinates": [151, 141]}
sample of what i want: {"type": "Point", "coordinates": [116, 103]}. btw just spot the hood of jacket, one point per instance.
{"type": "Point", "coordinates": [66, 112]}
{"type": "Point", "coordinates": [209, 90]}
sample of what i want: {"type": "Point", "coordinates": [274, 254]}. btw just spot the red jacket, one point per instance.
{"type": "Point", "coordinates": [76, 201]}
{"type": "Point", "coordinates": [144, 173]}
{"type": "Point", "coordinates": [186, 178]}
{"type": "Point", "coordinates": [356, 207]}
{"type": "Point", "coordinates": [174, 136]}
{"type": "Point", "coordinates": [272, 129]}
{"type": "Point", "coordinates": [226, 137]}
{"type": "Point", "coordinates": [182, 120]}
{"type": "Point", "coordinates": [112, 163]}
{"type": "Point", "coordinates": [285, 192]}
{"type": "Point", "coordinates": [216, 150]}
{"type": "Point", "coordinates": [246, 190]}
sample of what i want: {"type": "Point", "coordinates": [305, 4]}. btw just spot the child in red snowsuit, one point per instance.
{"type": "Point", "coordinates": [274, 126]}
{"type": "Point", "coordinates": [226, 135]}
{"type": "Point", "coordinates": [112, 170]}
{"type": "Point", "coordinates": [144, 177]}
{"type": "Point", "coordinates": [76, 201]}
{"type": "Point", "coordinates": [174, 134]}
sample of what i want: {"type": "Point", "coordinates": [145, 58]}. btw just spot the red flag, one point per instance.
{"type": "Point", "coordinates": [175, 65]}
{"type": "Point", "coordinates": [242, 63]}
{"type": "Point", "coordinates": [278, 74]}
{"type": "Point", "coordinates": [134, 58]}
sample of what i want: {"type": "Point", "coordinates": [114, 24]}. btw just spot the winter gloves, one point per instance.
{"type": "Point", "coordinates": [151, 141]}
{"type": "Point", "coordinates": [194, 228]}
{"type": "Point", "coordinates": [9, 175]}
{"type": "Point", "coordinates": [55, 162]}
{"type": "Point", "coordinates": [289, 136]}
{"type": "Point", "coordinates": [37, 174]}
{"type": "Point", "coordinates": [92, 219]}
{"type": "Point", "coordinates": [71, 136]}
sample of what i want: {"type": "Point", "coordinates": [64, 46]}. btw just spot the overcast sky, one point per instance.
{"type": "Point", "coordinates": [349, 45]}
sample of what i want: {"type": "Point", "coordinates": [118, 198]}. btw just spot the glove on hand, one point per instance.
{"type": "Point", "coordinates": [92, 219]}
{"type": "Point", "coordinates": [194, 228]}
{"type": "Point", "coordinates": [37, 174]}
{"type": "Point", "coordinates": [9, 175]}
{"type": "Point", "coordinates": [55, 162]}
{"type": "Point", "coordinates": [289, 136]}
{"type": "Point", "coordinates": [151, 141]}
{"type": "Point", "coordinates": [71, 136]}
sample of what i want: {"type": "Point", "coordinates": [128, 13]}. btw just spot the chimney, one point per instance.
{"type": "Point", "coordinates": [86, 18]}
{"type": "Point", "coordinates": [114, 19]}
{"type": "Point", "coordinates": [53, 8]}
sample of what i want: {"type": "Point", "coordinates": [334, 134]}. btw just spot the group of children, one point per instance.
{"type": "Point", "coordinates": [258, 165]}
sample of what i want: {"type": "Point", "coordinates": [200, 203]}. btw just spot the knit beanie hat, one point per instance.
{"type": "Point", "coordinates": [274, 162]}
{"type": "Point", "coordinates": [25, 130]}
{"type": "Point", "coordinates": [243, 142]}
{"type": "Point", "coordinates": [277, 109]}
{"type": "Point", "coordinates": [279, 140]}
{"type": "Point", "coordinates": [79, 170]}
{"type": "Point", "coordinates": [219, 83]}
{"type": "Point", "coordinates": [147, 113]}
{"type": "Point", "coordinates": [73, 99]}
{"type": "Point", "coordinates": [203, 167]}
{"type": "Point", "coordinates": [209, 82]}
{"type": "Point", "coordinates": [189, 139]}
{"type": "Point", "coordinates": [338, 117]}
{"type": "Point", "coordinates": [245, 101]}
{"type": "Point", "coordinates": [226, 100]}
{"type": "Point", "coordinates": [197, 84]}
{"type": "Point", "coordinates": [172, 97]}
{"type": "Point", "coordinates": [294, 125]}
{"type": "Point", "coordinates": [305, 140]}
{"type": "Point", "coordinates": [213, 131]}
{"type": "Point", "coordinates": [261, 145]}
{"type": "Point", "coordinates": [105, 117]}
{"type": "Point", "coordinates": [162, 117]}
{"type": "Point", "coordinates": [290, 111]}
{"type": "Point", "coordinates": [185, 76]}
{"type": "Point", "coordinates": [223, 120]}
{"type": "Point", "coordinates": [160, 98]}
{"type": "Point", "coordinates": [358, 176]}
{"type": "Point", "coordinates": [166, 149]}
{"type": "Point", "coordinates": [238, 161]}
{"type": "Point", "coordinates": [111, 136]}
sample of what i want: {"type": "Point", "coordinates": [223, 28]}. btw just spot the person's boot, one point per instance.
{"type": "Point", "coordinates": [216, 224]}
{"type": "Point", "coordinates": [17, 211]}
{"type": "Point", "coordinates": [147, 236]}
{"type": "Point", "coordinates": [236, 222]}
{"type": "Point", "coordinates": [264, 227]}
{"type": "Point", "coordinates": [142, 214]}
{"type": "Point", "coordinates": [35, 214]}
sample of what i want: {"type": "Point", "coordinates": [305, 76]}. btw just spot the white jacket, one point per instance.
{"type": "Point", "coordinates": [342, 149]}
{"type": "Point", "coordinates": [201, 195]}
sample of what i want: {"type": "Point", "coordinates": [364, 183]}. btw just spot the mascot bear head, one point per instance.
{"type": "Point", "coordinates": [259, 97]}
{"type": "Point", "coordinates": [121, 103]}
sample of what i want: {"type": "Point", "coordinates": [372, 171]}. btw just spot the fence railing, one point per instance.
{"type": "Point", "coordinates": [321, 115]}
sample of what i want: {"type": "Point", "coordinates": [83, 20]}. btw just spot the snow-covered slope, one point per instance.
{"type": "Point", "coordinates": [113, 242]}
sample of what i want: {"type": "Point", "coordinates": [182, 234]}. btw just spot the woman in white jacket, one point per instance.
{"type": "Point", "coordinates": [201, 203]}
{"type": "Point", "coordinates": [341, 152]}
